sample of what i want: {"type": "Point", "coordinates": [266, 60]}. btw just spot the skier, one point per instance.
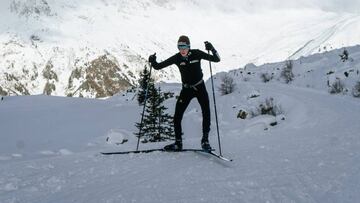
{"type": "Point", "coordinates": [188, 62]}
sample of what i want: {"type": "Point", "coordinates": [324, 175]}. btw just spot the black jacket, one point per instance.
{"type": "Point", "coordinates": [190, 66]}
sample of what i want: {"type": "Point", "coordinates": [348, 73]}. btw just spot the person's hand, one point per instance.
{"type": "Point", "coordinates": [208, 46]}
{"type": "Point", "coordinates": [152, 58]}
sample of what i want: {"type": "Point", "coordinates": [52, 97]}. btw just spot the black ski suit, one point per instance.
{"type": "Point", "coordinates": [192, 85]}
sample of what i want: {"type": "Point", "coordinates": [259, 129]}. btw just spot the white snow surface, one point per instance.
{"type": "Point", "coordinates": [50, 146]}
{"type": "Point", "coordinates": [69, 34]}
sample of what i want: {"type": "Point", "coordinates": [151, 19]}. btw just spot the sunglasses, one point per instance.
{"type": "Point", "coordinates": [182, 47]}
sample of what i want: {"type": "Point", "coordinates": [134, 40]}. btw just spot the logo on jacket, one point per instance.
{"type": "Point", "coordinates": [182, 64]}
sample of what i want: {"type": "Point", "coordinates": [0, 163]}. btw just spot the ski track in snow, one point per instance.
{"type": "Point", "coordinates": [312, 45]}
{"type": "Point", "coordinates": [302, 160]}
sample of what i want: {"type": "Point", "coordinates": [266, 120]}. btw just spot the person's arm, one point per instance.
{"type": "Point", "coordinates": [215, 57]}
{"type": "Point", "coordinates": [161, 65]}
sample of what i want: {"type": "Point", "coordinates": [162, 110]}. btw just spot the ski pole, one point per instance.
{"type": "Point", "coordinates": [143, 112]}
{"type": "Point", "coordinates": [216, 117]}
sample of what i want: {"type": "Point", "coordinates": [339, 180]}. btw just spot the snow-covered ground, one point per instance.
{"type": "Point", "coordinates": [50, 146]}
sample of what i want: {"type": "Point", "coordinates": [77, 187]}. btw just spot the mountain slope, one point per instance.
{"type": "Point", "coordinates": [69, 36]}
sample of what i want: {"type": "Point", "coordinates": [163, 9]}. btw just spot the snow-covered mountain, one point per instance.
{"type": "Point", "coordinates": [307, 152]}
{"type": "Point", "coordinates": [95, 48]}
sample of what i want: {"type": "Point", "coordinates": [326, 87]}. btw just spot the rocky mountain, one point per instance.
{"type": "Point", "coordinates": [96, 48]}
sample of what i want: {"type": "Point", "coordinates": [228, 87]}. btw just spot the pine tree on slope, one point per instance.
{"type": "Point", "coordinates": [157, 124]}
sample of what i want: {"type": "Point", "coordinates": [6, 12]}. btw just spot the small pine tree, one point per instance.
{"type": "Point", "coordinates": [344, 56]}
{"type": "Point", "coordinates": [144, 80]}
{"type": "Point", "coordinates": [337, 87]}
{"type": "Point", "coordinates": [287, 72]}
{"type": "Point", "coordinates": [150, 119]}
{"type": "Point", "coordinates": [266, 77]}
{"type": "Point", "coordinates": [166, 124]}
{"type": "Point", "coordinates": [157, 124]}
{"type": "Point", "coordinates": [268, 107]}
{"type": "Point", "coordinates": [356, 90]}
{"type": "Point", "coordinates": [227, 86]}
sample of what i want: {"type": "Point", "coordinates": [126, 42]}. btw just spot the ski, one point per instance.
{"type": "Point", "coordinates": [153, 150]}
{"type": "Point", "coordinates": [163, 150]}
{"type": "Point", "coordinates": [218, 156]}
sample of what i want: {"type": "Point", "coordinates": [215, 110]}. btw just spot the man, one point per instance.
{"type": "Point", "coordinates": [188, 62]}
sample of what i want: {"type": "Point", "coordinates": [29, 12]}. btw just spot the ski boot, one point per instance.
{"type": "Point", "coordinates": [205, 144]}
{"type": "Point", "coordinates": [176, 146]}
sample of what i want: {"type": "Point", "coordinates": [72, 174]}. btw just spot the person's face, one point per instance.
{"type": "Point", "coordinates": [184, 50]}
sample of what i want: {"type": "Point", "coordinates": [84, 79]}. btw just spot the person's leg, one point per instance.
{"type": "Point", "coordinates": [182, 103]}
{"type": "Point", "coordinates": [203, 99]}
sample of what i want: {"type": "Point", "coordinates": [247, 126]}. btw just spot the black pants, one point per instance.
{"type": "Point", "coordinates": [186, 95]}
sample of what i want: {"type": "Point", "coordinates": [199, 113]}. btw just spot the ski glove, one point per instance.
{"type": "Point", "coordinates": [209, 46]}
{"type": "Point", "coordinates": [152, 58]}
